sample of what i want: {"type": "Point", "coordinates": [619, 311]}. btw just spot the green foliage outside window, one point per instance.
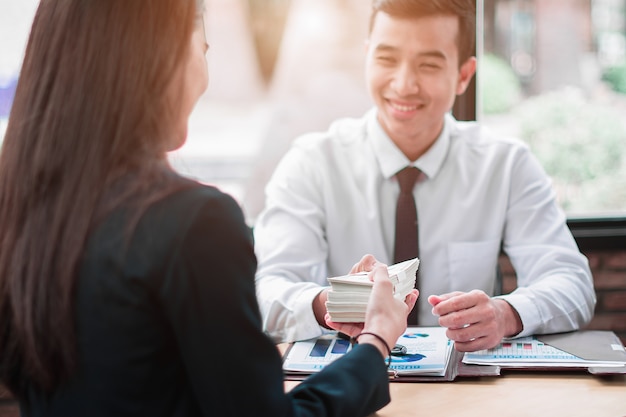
{"type": "Point", "coordinates": [581, 146]}
{"type": "Point", "coordinates": [500, 87]}
{"type": "Point", "coordinates": [616, 77]}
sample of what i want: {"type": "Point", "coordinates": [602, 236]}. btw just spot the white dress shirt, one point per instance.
{"type": "Point", "coordinates": [332, 200]}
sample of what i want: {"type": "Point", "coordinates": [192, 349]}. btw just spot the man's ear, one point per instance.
{"type": "Point", "coordinates": [466, 72]}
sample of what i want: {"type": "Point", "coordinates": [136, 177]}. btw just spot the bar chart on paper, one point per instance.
{"type": "Point", "coordinates": [528, 349]}
{"type": "Point", "coordinates": [529, 352]}
{"type": "Point", "coordinates": [427, 352]}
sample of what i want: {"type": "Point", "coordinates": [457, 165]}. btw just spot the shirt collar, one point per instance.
{"type": "Point", "coordinates": [391, 159]}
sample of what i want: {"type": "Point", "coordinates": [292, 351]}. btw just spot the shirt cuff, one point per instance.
{"type": "Point", "coordinates": [307, 326]}
{"type": "Point", "coordinates": [528, 313]}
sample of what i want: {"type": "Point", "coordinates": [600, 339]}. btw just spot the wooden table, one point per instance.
{"type": "Point", "coordinates": [513, 394]}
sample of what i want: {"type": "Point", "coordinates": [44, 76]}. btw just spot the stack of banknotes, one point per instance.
{"type": "Point", "coordinates": [349, 294]}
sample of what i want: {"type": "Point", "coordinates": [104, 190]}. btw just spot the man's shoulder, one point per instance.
{"type": "Point", "coordinates": [475, 134]}
{"type": "Point", "coordinates": [341, 132]}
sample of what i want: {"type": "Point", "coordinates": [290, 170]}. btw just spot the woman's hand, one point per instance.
{"type": "Point", "coordinates": [385, 315]}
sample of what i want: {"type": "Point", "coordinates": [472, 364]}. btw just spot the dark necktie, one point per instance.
{"type": "Point", "coordinates": [406, 240]}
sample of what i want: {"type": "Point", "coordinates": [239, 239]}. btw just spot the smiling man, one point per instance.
{"type": "Point", "coordinates": [333, 198]}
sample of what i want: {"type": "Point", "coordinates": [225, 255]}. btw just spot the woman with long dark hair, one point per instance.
{"type": "Point", "coordinates": [126, 289]}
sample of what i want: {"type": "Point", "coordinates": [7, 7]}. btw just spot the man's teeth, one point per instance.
{"type": "Point", "coordinates": [400, 107]}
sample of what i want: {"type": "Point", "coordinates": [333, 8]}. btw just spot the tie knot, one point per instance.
{"type": "Point", "coordinates": [406, 179]}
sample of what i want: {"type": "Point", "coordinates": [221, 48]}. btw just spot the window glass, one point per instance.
{"type": "Point", "coordinates": [15, 20]}
{"type": "Point", "coordinates": [277, 69]}
{"type": "Point", "coordinates": [553, 73]}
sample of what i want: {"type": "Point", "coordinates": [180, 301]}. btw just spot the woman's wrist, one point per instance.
{"type": "Point", "coordinates": [376, 340]}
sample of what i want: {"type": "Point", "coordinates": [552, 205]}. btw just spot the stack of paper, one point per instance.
{"type": "Point", "coordinates": [349, 294]}
{"type": "Point", "coordinates": [427, 353]}
{"type": "Point", "coordinates": [584, 348]}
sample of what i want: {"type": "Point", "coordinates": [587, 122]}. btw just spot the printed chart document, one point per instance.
{"type": "Point", "coordinates": [585, 349]}
{"type": "Point", "coordinates": [428, 352]}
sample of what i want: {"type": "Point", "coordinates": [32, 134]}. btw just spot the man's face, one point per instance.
{"type": "Point", "coordinates": [413, 75]}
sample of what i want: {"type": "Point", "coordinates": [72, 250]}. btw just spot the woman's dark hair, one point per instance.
{"type": "Point", "coordinates": [465, 10]}
{"type": "Point", "coordinates": [93, 104]}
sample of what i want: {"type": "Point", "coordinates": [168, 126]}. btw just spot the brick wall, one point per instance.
{"type": "Point", "coordinates": [609, 274]}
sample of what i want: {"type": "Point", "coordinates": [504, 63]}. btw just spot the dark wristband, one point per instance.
{"type": "Point", "coordinates": [355, 339]}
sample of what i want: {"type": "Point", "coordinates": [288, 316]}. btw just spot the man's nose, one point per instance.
{"type": "Point", "coordinates": [405, 81]}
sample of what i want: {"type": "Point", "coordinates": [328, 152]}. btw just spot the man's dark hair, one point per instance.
{"type": "Point", "coordinates": [465, 10]}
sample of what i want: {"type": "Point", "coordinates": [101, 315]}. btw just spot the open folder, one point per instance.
{"type": "Point", "coordinates": [428, 355]}
{"type": "Point", "coordinates": [597, 351]}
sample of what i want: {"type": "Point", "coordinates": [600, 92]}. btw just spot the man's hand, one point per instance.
{"type": "Point", "coordinates": [366, 264]}
{"type": "Point", "coordinates": [474, 320]}
{"type": "Point", "coordinates": [319, 307]}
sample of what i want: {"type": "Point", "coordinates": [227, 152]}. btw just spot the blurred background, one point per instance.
{"type": "Point", "coordinates": [551, 72]}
